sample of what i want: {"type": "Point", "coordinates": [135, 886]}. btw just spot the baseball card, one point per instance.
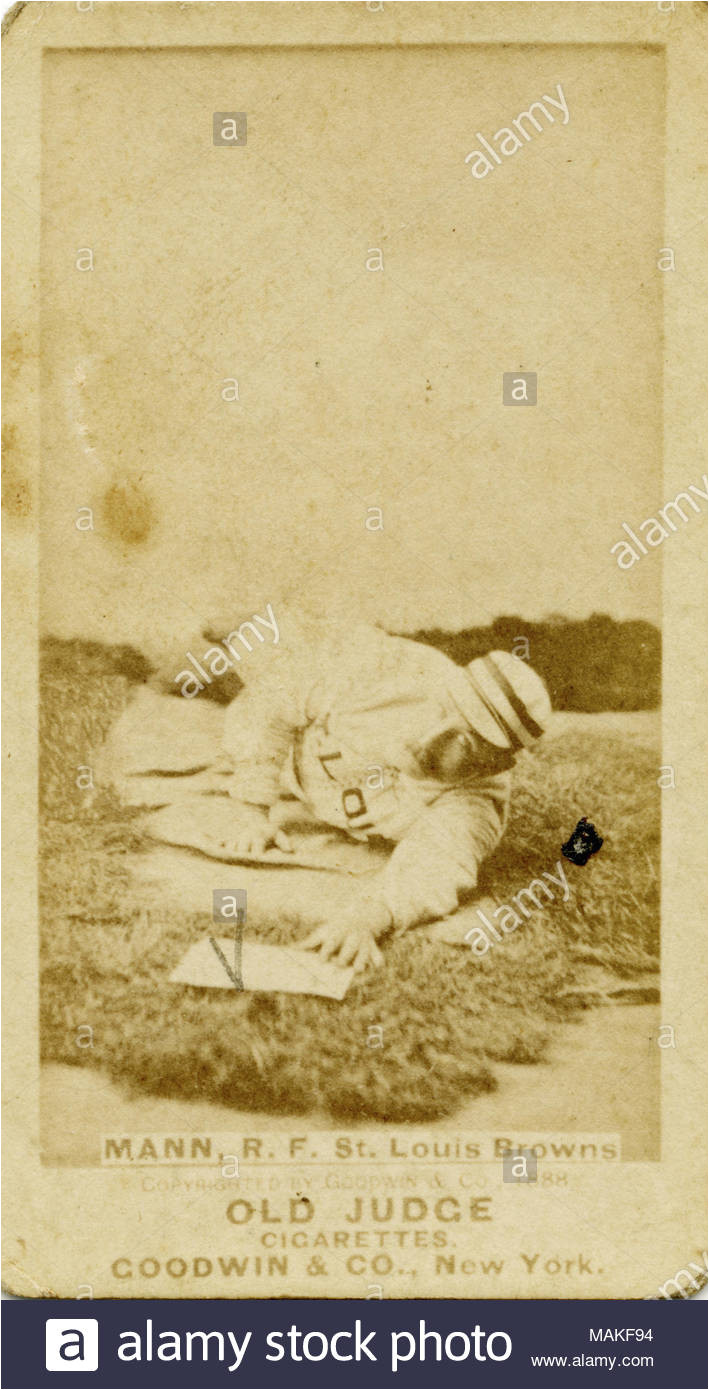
{"type": "Point", "coordinates": [354, 510]}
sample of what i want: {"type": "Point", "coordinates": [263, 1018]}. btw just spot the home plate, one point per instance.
{"type": "Point", "coordinates": [210, 964]}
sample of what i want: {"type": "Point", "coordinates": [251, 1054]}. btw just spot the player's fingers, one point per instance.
{"type": "Point", "coordinates": [281, 841]}
{"type": "Point", "coordinates": [257, 844]}
{"type": "Point", "coordinates": [311, 942]}
{"type": "Point", "coordinates": [362, 958]}
{"type": "Point", "coordinates": [368, 954]}
{"type": "Point", "coordinates": [347, 951]}
{"type": "Point", "coordinates": [329, 946]}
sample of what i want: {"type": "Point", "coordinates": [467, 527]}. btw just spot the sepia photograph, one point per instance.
{"type": "Point", "coordinates": [358, 550]}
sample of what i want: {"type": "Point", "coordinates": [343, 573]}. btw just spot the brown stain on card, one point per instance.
{"type": "Point", "coordinates": [16, 488]}
{"type": "Point", "coordinates": [13, 352]}
{"type": "Point", "coordinates": [127, 513]}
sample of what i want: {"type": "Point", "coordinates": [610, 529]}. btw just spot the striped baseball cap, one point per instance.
{"type": "Point", "coordinates": [504, 700]}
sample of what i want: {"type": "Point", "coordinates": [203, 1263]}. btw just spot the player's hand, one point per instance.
{"type": "Point", "coordinates": [353, 945]}
{"type": "Point", "coordinates": [253, 832]}
{"type": "Point", "coordinates": [351, 938]}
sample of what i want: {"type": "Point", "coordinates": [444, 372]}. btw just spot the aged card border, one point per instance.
{"type": "Point", "coordinates": [653, 1211]}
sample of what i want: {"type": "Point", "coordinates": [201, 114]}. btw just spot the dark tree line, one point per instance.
{"type": "Point", "coordinates": [591, 665]}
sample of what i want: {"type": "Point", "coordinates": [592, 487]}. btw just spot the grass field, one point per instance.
{"type": "Point", "coordinates": [108, 944]}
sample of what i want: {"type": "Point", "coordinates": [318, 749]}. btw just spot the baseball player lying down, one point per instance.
{"type": "Point", "coordinates": [381, 736]}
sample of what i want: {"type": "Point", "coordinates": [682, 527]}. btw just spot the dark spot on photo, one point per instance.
{"type": "Point", "coordinates": [582, 843]}
{"type": "Point", "coordinates": [127, 513]}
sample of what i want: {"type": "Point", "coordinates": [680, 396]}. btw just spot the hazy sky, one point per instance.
{"type": "Point", "coordinates": [357, 388]}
